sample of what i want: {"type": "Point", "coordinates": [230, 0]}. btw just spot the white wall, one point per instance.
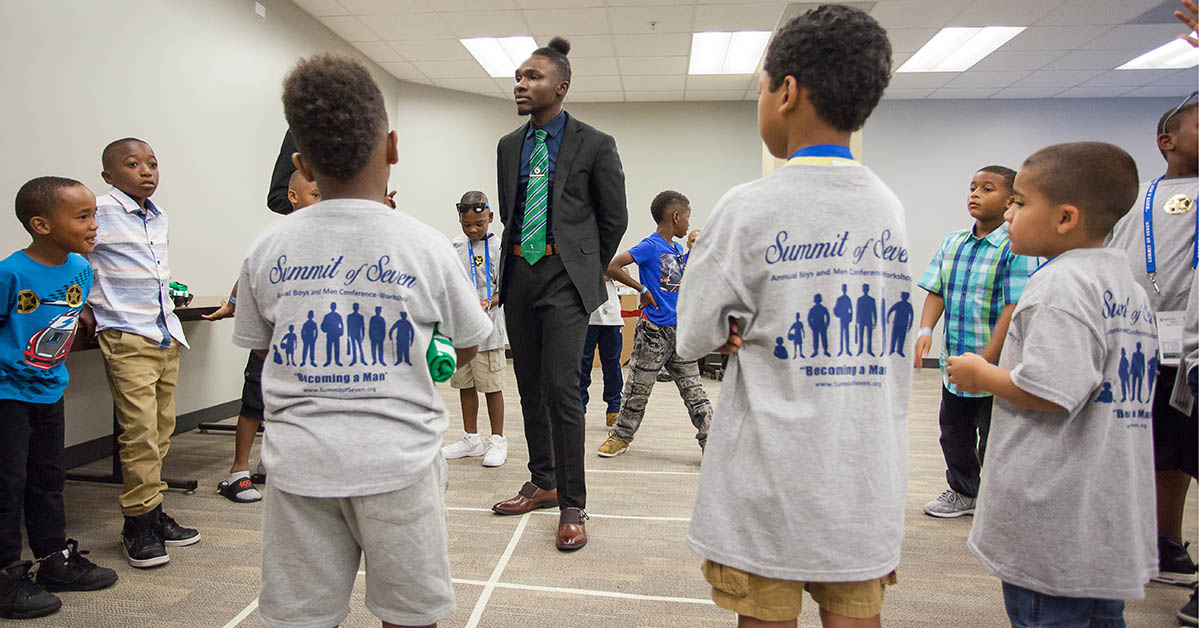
{"type": "Point", "coordinates": [200, 81]}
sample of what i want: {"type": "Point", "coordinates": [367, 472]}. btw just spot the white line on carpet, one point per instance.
{"type": "Point", "coordinates": [486, 594]}
{"type": "Point", "coordinates": [243, 615]}
{"type": "Point", "coordinates": [643, 472]}
{"type": "Point", "coordinates": [593, 515]}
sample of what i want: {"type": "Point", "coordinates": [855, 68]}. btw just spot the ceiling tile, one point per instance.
{"type": "Point", "coordinates": [349, 28]}
{"type": "Point", "coordinates": [1053, 37]}
{"type": "Point", "coordinates": [1007, 13]}
{"type": "Point", "coordinates": [1073, 12]}
{"type": "Point", "coordinates": [1140, 37]}
{"type": "Point", "coordinates": [568, 21]}
{"type": "Point", "coordinates": [1128, 78]}
{"type": "Point", "coordinates": [653, 96]}
{"type": "Point", "coordinates": [667, 19]}
{"type": "Point", "coordinates": [1092, 92]}
{"type": "Point", "coordinates": [910, 39]}
{"type": "Point", "coordinates": [560, 4]}
{"type": "Point", "coordinates": [1091, 60]}
{"type": "Point", "coordinates": [1027, 60]}
{"type": "Point", "coordinates": [404, 70]}
{"type": "Point", "coordinates": [1153, 91]}
{"type": "Point", "coordinates": [378, 51]}
{"type": "Point", "coordinates": [658, 44]}
{"type": "Point", "coordinates": [597, 83]}
{"type": "Point", "coordinates": [407, 26]}
{"type": "Point", "coordinates": [653, 65]}
{"type": "Point", "coordinates": [714, 94]}
{"type": "Point", "coordinates": [901, 93]}
{"type": "Point", "coordinates": [740, 82]}
{"type": "Point", "coordinates": [1027, 92]}
{"type": "Point", "coordinates": [321, 8]}
{"type": "Point", "coordinates": [584, 45]}
{"type": "Point", "coordinates": [451, 69]}
{"type": "Point", "coordinates": [737, 17]}
{"type": "Point", "coordinates": [947, 93]}
{"type": "Point", "coordinates": [1061, 79]}
{"type": "Point", "coordinates": [431, 50]}
{"type": "Point", "coordinates": [594, 66]}
{"type": "Point", "coordinates": [475, 5]}
{"type": "Point", "coordinates": [486, 23]}
{"type": "Point", "coordinates": [617, 96]}
{"type": "Point", "coordinates": [1183, 79]}
{"type": "Point", "coordinates": [916, 13]}
{"type": "Point", "coordinates": [386, 7]}
{"type": "Point", "coordinates": [922, 80]}
{"type": "Point", "coordinates": [475, 85]}
{"type": "Point", "coordinates": [980, 80]}
{"type": "Point", "coordinates": [652, 83]}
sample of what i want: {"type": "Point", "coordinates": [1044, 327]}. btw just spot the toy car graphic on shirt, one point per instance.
{"type": "Point", "coordinates": [49, 346]}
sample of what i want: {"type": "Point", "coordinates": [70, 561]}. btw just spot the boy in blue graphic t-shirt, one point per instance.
{"type": "Point", "coordinates": [660, 267]}
{"type": "Point", "coordinates": [42, 290]}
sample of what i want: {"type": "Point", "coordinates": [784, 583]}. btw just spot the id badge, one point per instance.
{"type": "Point", "coordinates": [1170, 336]}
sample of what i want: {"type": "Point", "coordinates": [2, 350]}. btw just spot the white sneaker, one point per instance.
{"type": "Point", "coordinates": [951, 504]}
{"type": "Point", "coordinates": [470, 445]}
{"type": "Point", "coordinates": [497, 451]}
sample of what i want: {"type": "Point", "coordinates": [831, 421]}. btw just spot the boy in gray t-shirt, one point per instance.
{"type": "Point", "coordinates": [353, 451]}
{"type": "Point", "coordinates": [1066, 505]}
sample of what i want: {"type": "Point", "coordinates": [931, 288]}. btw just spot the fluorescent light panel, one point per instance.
{"type": "Point", "coordinates": [957, 48]}
{"type": "Point", "coordinates": [727, 53]}
{"type": "Point", "coordinates": [500, 57]}
{"type": "Point", "coordinates": [1175, 54]}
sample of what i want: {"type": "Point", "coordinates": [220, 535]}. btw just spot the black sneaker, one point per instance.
{"type": "Point", "coordinates": [143, 546]}
{"type": "Point", "coordinates": [68, 570]}
{"type": "Point", "coordinates": [663, 376]}
{"type": "Point", "coordinates": [1175, 566]}
{"type": "Point", "coordinates": [172, 533]}
{"type": "Point", "coordinates": [1187, 614]}
{"type": "Point", "coordinates": [20, 597]}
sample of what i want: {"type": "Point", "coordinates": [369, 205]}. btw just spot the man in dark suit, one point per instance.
{"type": "Point", "coordinates": [562, 202]}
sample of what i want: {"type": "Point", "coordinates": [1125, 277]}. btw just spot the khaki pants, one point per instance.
{"type": "Point", "coordinates": [142, 377]}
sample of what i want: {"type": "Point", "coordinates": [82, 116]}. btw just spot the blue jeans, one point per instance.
{"type": "Point", "coordinates": [1030, 609]}
{"type": "Point", "coordinates": [609, 340]}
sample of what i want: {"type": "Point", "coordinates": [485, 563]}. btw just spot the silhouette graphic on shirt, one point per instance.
{"type": "Point", "coordinates": [780, 350]}
{"type": "Point", "coordinates": [333, 328]}
{"type": "Point", "coordinates": [289, 345]}
{"type": "Point", "coordinates": [1137, 371]}
{"type": "Point", "coordinates": [356, 329]}
{"type": "Point", "coordinates": [865, 330]}
{"type": "Point", "coordinates": [1106, 395]}
{"type": "Point", "coordinates": [405, 335]}
{"type": "Point", "coordinates": [1151, 374]}
{"type": "Point", "coordinates": [377, 332]}
{"type": "Point", "coordinates": [796, 335]}
{"type": "Point", "coordinates": [902, 310]}
{"type": "Point", "coordinates": [278, 358]}
{"type": "Point", "coordinates": [1123, 374]}
{"type": "Point", "coordinates": [308, 336]}
{"type": "Point", "coordinates": [843, 309]}
{"type": "Point", "coordinates": [818, 324]}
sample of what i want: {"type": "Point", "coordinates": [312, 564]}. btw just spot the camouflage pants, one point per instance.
{"type": "Point", "coordinates": [654, 348]}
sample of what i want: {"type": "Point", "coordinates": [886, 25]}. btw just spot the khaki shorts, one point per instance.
{"type": "Point", "coordinates": [769, 599]}
{"type": "Point", "coordinates": [484, 372]}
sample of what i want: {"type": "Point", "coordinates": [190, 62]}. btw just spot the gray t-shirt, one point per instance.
{"type": "Point", "coordinates": [339, 428]}
{"type": "Point", "coordinates": [463, 248]}
{"type": "Point", "coordinates": [1174, 239]}
{"type": "Point", "coordinates": [805, 472]}
{"type": "Point", "coordinates": [1066, 504]}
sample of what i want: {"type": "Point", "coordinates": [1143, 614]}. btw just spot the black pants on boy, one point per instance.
{"type": "Point", "coordinates": [32, 473]}
{"type": "Point", "coordinates": [964, 422]}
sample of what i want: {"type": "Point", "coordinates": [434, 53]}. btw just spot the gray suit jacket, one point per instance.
{"type": "Point", "coordinates": [588, 215]}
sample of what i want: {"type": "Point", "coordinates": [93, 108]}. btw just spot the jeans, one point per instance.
{"type": "Point", "coordinates": [608, 338]}
{"type": "Point", "coordinates": [1030, 609]}
{"type": "Point", "coordinates": [32, 474]}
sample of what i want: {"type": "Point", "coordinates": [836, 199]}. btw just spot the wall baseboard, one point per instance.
{"type": "Point", "coordinates": [99, 448]}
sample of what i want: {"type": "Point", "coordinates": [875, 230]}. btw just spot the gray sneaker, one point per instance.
{"type": "Point", "coordinates": [950, 504]}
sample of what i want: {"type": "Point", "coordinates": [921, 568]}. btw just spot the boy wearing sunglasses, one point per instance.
{"type": "Point", "coordinates": [479, 251]}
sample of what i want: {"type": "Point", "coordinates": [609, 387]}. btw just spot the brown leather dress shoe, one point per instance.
{"type": "Point", "coordinates": [572, 534]}
{"type": "Point", "coordinates": [530, 497]}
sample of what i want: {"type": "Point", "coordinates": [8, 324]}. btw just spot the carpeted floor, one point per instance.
{"type": "Point", "coordinates": [635, 571]}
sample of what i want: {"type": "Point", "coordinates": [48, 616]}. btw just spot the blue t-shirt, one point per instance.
{"type": "Point", "coordinates": [660, 269]}
{"type": "Point", "coordinates": [39, 309]}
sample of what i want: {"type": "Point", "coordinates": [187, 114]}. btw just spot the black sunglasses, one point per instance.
{"type": "Point", "coordinates": [1162, 127]}
{"type": "Point", "coordinates": [478, 207]}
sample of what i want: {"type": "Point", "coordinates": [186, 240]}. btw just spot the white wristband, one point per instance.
{"type": "Point", "coordinates": [925, 331]}
{"type": "Point", "coordinates": [644, 290]}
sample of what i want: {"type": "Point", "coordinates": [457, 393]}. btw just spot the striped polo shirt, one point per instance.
{"type": "Point", "coordinates": [130, 291]}
{"type": "Point", "coordinates": [977, 278]}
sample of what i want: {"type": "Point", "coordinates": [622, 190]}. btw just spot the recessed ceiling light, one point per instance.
{"type": "Point", "coordinates": [957, 48]}
{"type": "Point", "coordinates": [1175, 54]}
{"type": "Point", "coordinates": [727, 53]}
{"type": "Point", "coordinates": [500, 57]}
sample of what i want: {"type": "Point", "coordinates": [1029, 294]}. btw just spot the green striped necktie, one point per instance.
{"type": "Point", "coordinates": [537, 201]}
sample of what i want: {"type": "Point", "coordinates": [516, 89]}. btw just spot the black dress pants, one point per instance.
{"type": "Point", "coordinates": [32, 474]}
{"type": "Point", "coordinates": [547, 325]}
{"type": "Point", "coordinates": [964, 423]}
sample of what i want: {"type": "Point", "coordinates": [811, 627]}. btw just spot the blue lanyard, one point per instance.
{"type": "Point", "coordinates": [487, 261]}
{"type": "Point", "coordinates": [824, 150]}
{"type": "Point", "coordinates": [1148, 234]}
